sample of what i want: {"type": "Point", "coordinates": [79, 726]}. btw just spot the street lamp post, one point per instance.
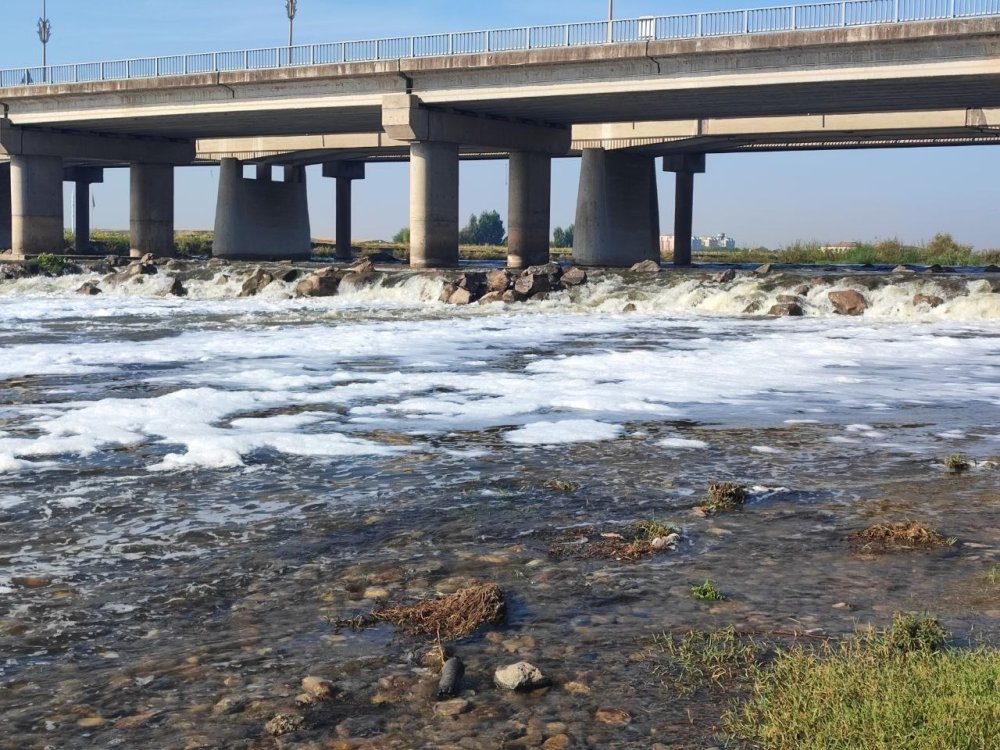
{"type": "Point", "coordinates": [290, 7]}
{"type": "Point", "coordinates": [44, 33]}
{"type": "Point", "coordinates": [611, 21]}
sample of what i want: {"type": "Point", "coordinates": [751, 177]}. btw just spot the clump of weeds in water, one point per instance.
{"type": "Point", "coordinates": [561, 485]}
{"type": "Point", "coordinates": [904, 535]}
{"type": "Point", "coordinates": [629, 543]}
{"type": "Point", "coordinates": [684, 663]}
{"type": "Point", "coordinates": [724, 496]}
{"type": "Point", "coordinates": [653, 530]}
{"type": "Point", "coordinates": [956, 463]}
{"type": "Point", "coordinates": [901, 687]}
{"type": "Point", "coordinates": [707, 592]}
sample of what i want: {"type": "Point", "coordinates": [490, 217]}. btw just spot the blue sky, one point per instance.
{"type": "Point", "coordinates": [768, 199]}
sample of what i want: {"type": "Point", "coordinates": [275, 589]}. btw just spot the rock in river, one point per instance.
{"type": "Point", "coordinates": [848, 302]}
{"type": "Point", "coordinates": [521, 676]}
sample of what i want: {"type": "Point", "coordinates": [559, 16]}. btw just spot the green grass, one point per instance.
{"type": "Point", "coordinates": [725, 496]}
{"type": "Point", "coordinates": [50, 265]}
{"type": "Point", "coordinates": [655, 530]}
{"type": "Point", "coordinates": [957, 463]}
{"type": "Point", "coordinates": [707, 592]}
{"type": "Point", "coordinates": [718, 658]}
{"type": "Point", "coordinates": [880, 690]}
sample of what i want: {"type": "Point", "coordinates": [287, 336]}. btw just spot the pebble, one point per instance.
{"type": "Point", "coordinates": [376, 592]}
{"type": "Point", "coordinates": [613, 717]}
{"type": "Point", "coordinates": [576, 688]}
{"type": "Point", "coordinates": [317, 687]}
{"type": "Point", "coordinates": [521, 676]}
{"type": "Point", "coordinates": [556, 742]}
{"type": "Point", "coordinates": [282, 724]}
{"type": "Point", "coordinates": [31, 582]}
{"type": "Point", "coordinates": [92, 722]}
{"type": "Point", "coordinates": [452, 707]}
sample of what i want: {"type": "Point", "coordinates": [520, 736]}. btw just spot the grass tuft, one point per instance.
{"type": "Point", "coordinates": [957, 463]}
{"type": "Point", "coordinates": [906, 535]}
{"type": "Point", "coordinates": [707, 592]}
{"type": "Point", "coordinates": [561, 485]}
{"type": "Point", "coordinates": [725, 496]}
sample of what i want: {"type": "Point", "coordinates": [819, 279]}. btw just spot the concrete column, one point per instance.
{"type": "Point", "coordinates": [433, 204]}
{"type": "Point", "coordinates": [685, 166]}
{"type": "Point", "coordinates": [261, 219]}
{"type": "Point", "coordinates": [151, 226]}
{"type": "Point", "coordinates": [617, 214]}
{"type": "Point", "coordinates": [529, 209]}
{"type": "Point", "coordinates": [83, 178]}
{"type": "Point", "coordinates": [5, 210]}
{"type": "Point", "coordinates": [345, 172]}
{"type": "Point", "coordinates": [36, 205]}
{"type": "Point", "coordinates": [683, 218]}
{"type": "Point", "coordinates": [264, 172]}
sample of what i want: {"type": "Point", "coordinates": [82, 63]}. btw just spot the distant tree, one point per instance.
{"type": "Point", "coordinates": [402, 237]}
{"type": "Point", "coordinates": [563, 237]}
{"type": "Point", "coordinates": [486, 229]}
{"type": "Point", "coordinates": [944, 244]}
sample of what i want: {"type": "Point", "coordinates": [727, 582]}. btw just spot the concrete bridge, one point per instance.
{"type": "Point", "coordinates": [859, 74]}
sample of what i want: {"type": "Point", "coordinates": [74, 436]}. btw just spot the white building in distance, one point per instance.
{"type": "Point", "coordinates": [714, 242]}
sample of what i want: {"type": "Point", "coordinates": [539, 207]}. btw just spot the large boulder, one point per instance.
{"type": "Point", "coordinates": [724, 277]}
{"type": "Point", "coordinates": [647, 266]}
{"type": "Point", "coordinates": [848, 302]}
{"type": "Point", "coordinates": [491, 297]}
{"type": "Point", "coordinates": [927, 299]}
{"type": "Point", "coordinates": [573, 276]}
{"type": "Point", "coordinates": [781, 309]}
{"type": "Point", "coordinates": [460, 297]}
{"type": "Point", "coordinates": [323, 283]}
{"type": "Point", "coordinates": [521, 677]}
{"type": "Point", "coordinates": [89, 288]}
{"type": "Point", "coordinates": [257, 282]}
{"type": "Point", "coordinates": [528, 284]}
{"type": "Point", "coordinates": [175, 288]}
{"type": "Point", "coordinates": [498, 280]}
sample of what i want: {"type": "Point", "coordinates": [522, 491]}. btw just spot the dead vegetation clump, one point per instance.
{"type": "Point", "coordinates": [903, 535]}
{"type": "Point", "coordinates": [635, 541]}
{"type": "Point", "coordinates": [725, 496]}
{"type": "Point", "coordinates": [448, 618]}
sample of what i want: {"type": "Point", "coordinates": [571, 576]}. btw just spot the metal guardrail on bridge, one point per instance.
{"type": "Point", "coordinates": [829, 15]}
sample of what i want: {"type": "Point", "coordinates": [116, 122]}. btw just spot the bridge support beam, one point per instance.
{"type": "Point", "coordinates": [151, 222]}
{"type": "Point", "coordinates": [5, 210]}
{"type": "Point", "coordinates": [36, 205]}
{"type": "Point", "coordinates": [433, 204]}
{"type": "Point", "coordinates": [685, 166]}
{"type": "Point", "coordinates": [529, 209]}
{"type": "Point", "coordinates": [83, 177]}
{"type": "Point", "coordinates": [261, 219]}
{"type": "Point", "coordinates": [617, 210]}
{"type": "Point", "coordinates": [345, 172]}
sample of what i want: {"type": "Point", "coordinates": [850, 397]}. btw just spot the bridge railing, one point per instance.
{"type": "Point", "coordinates": [827, 15]}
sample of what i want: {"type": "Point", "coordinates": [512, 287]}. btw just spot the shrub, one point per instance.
{"type": "Point", "coordinates": [50, 265]}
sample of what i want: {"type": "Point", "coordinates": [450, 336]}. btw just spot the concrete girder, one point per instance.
{"type": "Point", "coordinates": [19, 141]}
{"type": "Point", "coordinates": [404, 118]}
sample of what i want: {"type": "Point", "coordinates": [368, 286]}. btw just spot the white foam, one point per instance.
{"type": "Point", "coordinates": [681, 443]}
{"type": "Point", "coordinates": [564, 431]}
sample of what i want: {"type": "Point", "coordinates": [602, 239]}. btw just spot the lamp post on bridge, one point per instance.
{"type": "Point", "coordinates": [44, 33]}
{"type": "Point", "coordinates": [611, 21]}
{"type": "Point", "coordinates": [290, 7]}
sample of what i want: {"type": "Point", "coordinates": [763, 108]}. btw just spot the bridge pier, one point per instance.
{"type": "Point", "coordinates": [617, 210]}
{"type": "Point", "coordinates": [345, 172]}
{"type": "Point", "coordinates": [151, 222]}
{"type": "Point", "coordinates": [83, 177]}
{"type": "Point", "coordinates": [685, 166]}
{"type": "Point", "coordinates": [5, 210]}
{"type": "Point", "coordinates": [529, 208]}
{"type": "Point", "coordinates": [261, 219]}
{"type": "Point", "coordinates": [36, 204]}
{"type": "Point", "coordinates": [433, 204]}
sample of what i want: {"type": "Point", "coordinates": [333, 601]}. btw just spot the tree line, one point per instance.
{"type": "Point", "coordinates": [488, 229]}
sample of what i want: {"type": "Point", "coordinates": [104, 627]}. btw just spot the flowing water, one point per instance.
{"type": "Point", "coordinates": [191, 490]}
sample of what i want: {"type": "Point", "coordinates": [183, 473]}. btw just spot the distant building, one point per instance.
{"type": "Point", "coordinates": [714, 242]}
{"type": "Point", "coordinates": [839, 249]}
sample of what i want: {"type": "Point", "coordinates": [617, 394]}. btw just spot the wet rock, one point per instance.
{"type": "Point", "coordinates": [629, 308]}
{"type": "Point", "coordinates": [490, 297]}
{"type": "Point", "coordinates": [175, 288]}
{"type": "Point", "coordinates": [540, 297]}
{"type": "Point", "coordinates": [92, 722]}
{"type": "Point", "coordinates": [647, 266]}
{"type": "Point", "coordinates": [511, 296]}
{"type": "Point", "coordinates": [903, 269]}
{"type": "Point", "coordinates": [317, 687]}
{"type": "Point", "coordinates": [460, 297]}
{"type": "Point", "coordinates": [360, 726]}
{"type": "Point", "coordinates": [136, 720]}
{"type": "Point", "coordinates": [230, 705]}
{"type": "Point", "coordinates": [364, 267]}
{"type": "Point", "coordinates": [991, 269]}
{"type": "Point", "coordinates": [786, 309]}
{"type": "Point", "coordinates": [31, 582]}
{"type": "Point", "coordinates": [801, 290]}
{"type": "Point", "coordinates": [89, 288]}
{"type": "Point", "coordinates": [257, 282]}
{"type": "Point", "coordinates": [139, 269]}
{"type": "Point", "coordinates": [520, 677]}
{"type": "Point", "coordinates": [538, 279]}
{"type": "Point", "coordinates": [556, 742]}
{"type": "Point", "coordinates": [474, 283]}
{"type": "Point", "coordinates": [10, 271]}
{"type": "Point", "coordinates": [785, 298]}
{"type": "Point", "coordinates": [283, 724]}
{"type": "Point", "coordinates": [573, 276]}
{"type": "Point", "coordinates": [724, 277]}
{"type": "Point", "coordinates": [752, 308]}
{"type": "Point", "coordinates": [383, 257]}
{"type": "Point", "coordinates": [451, 677]}
{"type": "Point", "coordinates": [446, 292]}
{"type": "Point", "coordinates": [939, 269]}
{"type": "Point", "coordinates": [498, 280]}
{"type": "Point", "coordinates": [848, 302]}
{"type": "Point", "coordinates": [324, 283]}
{"type": "Point", "coordinates": [927, 299]}
{"type": "Point", "coordinates": [291, 275]}
{"type": "Point", "coordinates": [613, 716]}
{"type": "Point", "coordinates": [764, 270]}
{"type": "Point", "coordinates": [451, 708]}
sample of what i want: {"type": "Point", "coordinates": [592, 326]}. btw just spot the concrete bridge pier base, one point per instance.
{"type": "Point", "coordinates": [83, 177]}
{"type": "Point", "coordinates": [345, 172]}
{"type": "Point", "coordinates": [433, 204]}
{"type": "Point", "coordinates": [5, 210]}
{"type": "Point", "coordinates": [36, 205]}
{"type": "Point", "coordinates": [617, 210]}
{"type": "Point", "coordinates": [261, 219]}
{"type": "Point", "coordinates": [151, 222]}
{"type": "Point", "coordinates": [529, 209]}
{"type": "Point", "coordinates": [685, 166]}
